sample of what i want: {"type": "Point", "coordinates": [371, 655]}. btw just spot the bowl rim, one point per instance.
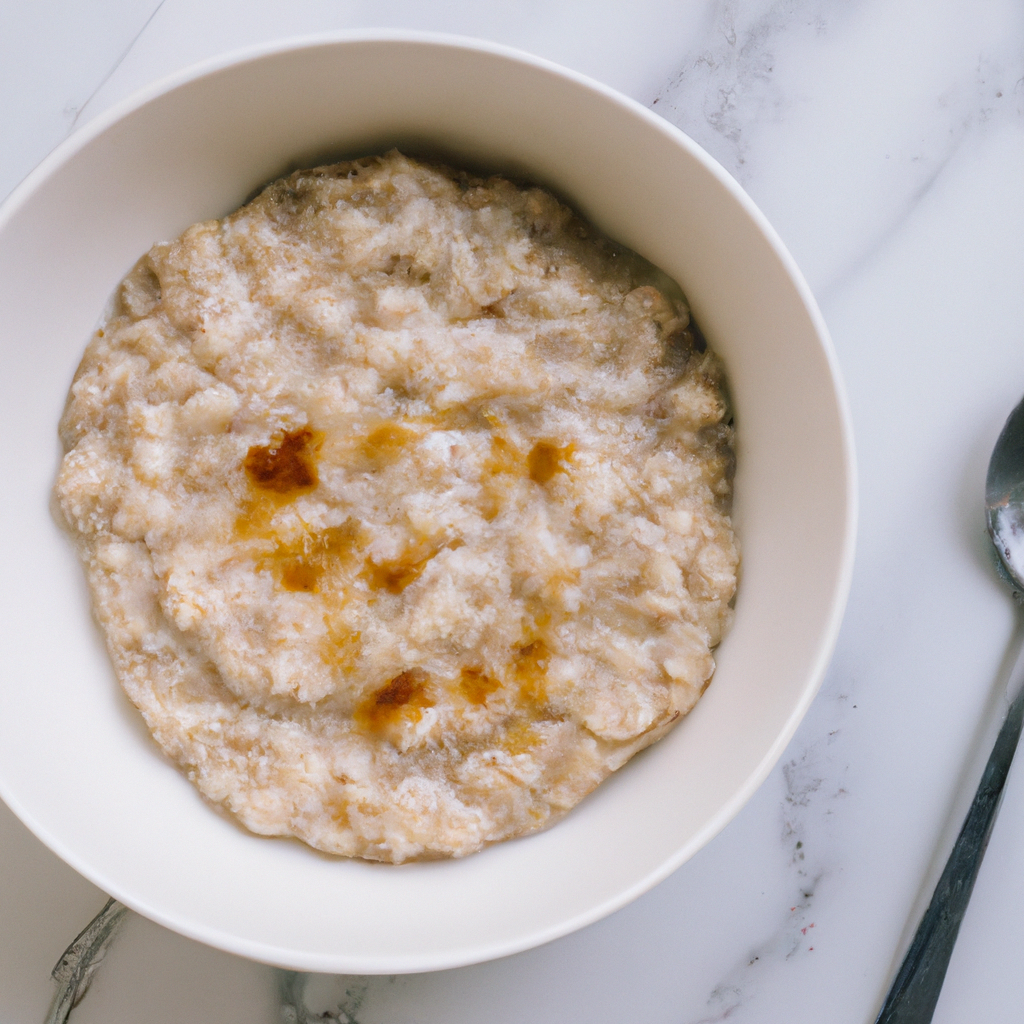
{"type": "Point", "coordinates": [267, 952]}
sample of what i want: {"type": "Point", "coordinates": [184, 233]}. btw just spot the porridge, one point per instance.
{"type": "Point", "coordinates": [403, 497]}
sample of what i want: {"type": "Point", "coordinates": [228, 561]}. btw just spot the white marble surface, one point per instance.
{"type": "Point", "coordinates": [886, 144]}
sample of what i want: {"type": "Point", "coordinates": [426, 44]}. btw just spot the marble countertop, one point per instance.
{"type": "Point", "coordinates": [885, 142]}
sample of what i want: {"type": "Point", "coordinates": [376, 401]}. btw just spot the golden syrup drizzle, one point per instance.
{"type": "Point", "coordinates": [519, 737]}
{"type": "Point", "coordinates": [505, 460]}
{"type": "Point", "coordinates": [298, 575]}
{"type": "Point", "coordinates": [386, 443]}
{"type": "Point", "coordinates": [540, 465]}
{"type": "Point", "coordinates": [337, 808]}
{"type": "Point", "coordinates": [400, 698]}
{"type": "Point", "coordinates": [476, 685]}
{"type": "Point", "coordinates": [254, 517]}
{"type": "Point", "coordinates": [277, 473]}
{"type": "Point", "coordinates": [530, 670]}
{"type": "Point", "coordinates": [545, 460]}
{"type": "Point", "coordinates": [287, 465]}
{"type": "Point", "coordinates": [396, 575]}
{"type": "Point", "coordinates": [341, 647]}
{"type": "Point", "coordinates": [301, 564]}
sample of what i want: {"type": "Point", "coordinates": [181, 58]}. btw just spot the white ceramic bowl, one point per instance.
{"type": "Point", "coordinates": [76, 763]}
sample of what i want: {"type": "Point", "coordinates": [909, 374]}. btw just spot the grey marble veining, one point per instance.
{"type": "Point", "coordinates": [886, 145]}
{"type": "Point", "coordinates": [55, 57]}
{"type": "Point", "coordinates": [873, 98]}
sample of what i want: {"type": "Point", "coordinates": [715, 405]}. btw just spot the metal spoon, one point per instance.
{"type": "Point", "coordinates": [916, 987]}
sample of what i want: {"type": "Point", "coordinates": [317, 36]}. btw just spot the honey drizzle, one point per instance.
{"type": "Point", "coordinates": [396, 575]}
{"type": "Point", "coordinates": [341, 647]}
{"type": "Point", "coordinates": [402, 697]}
{"type": "Point", "coordinates": [277, 473]}
{"type": "Point", "coordinates": [504, 460]}
{"type": "Point", "coordinates": [545, 460]}
{"type": "Point", "coordinates": [299, 566]}
{"type": "Point", "coordinates": [287, 465]}
{"type": "Point", "coordinates": [476, 685]}
{"type": "Point", "coordinates": [385, 444]}
{"type": "Point", "coordinates": [530, 671]}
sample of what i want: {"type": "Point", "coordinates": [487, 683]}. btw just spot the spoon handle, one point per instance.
{"type": "Point", "coordinates": [916, 987]}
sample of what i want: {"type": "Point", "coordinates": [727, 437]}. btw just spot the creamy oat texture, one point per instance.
{"type": "Point", "coordinates": [403, 498]}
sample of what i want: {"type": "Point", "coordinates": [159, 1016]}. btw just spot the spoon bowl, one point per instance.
{"type": "Point", "coordinates": [915, 990]}
{"type": "Point", "coordinates": [1004, 498]}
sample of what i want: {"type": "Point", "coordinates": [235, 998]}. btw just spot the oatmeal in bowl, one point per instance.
{"type": "Point", "coordinates": [369, 594]}
{"type": "Point", "coordinates": [404, 500]}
